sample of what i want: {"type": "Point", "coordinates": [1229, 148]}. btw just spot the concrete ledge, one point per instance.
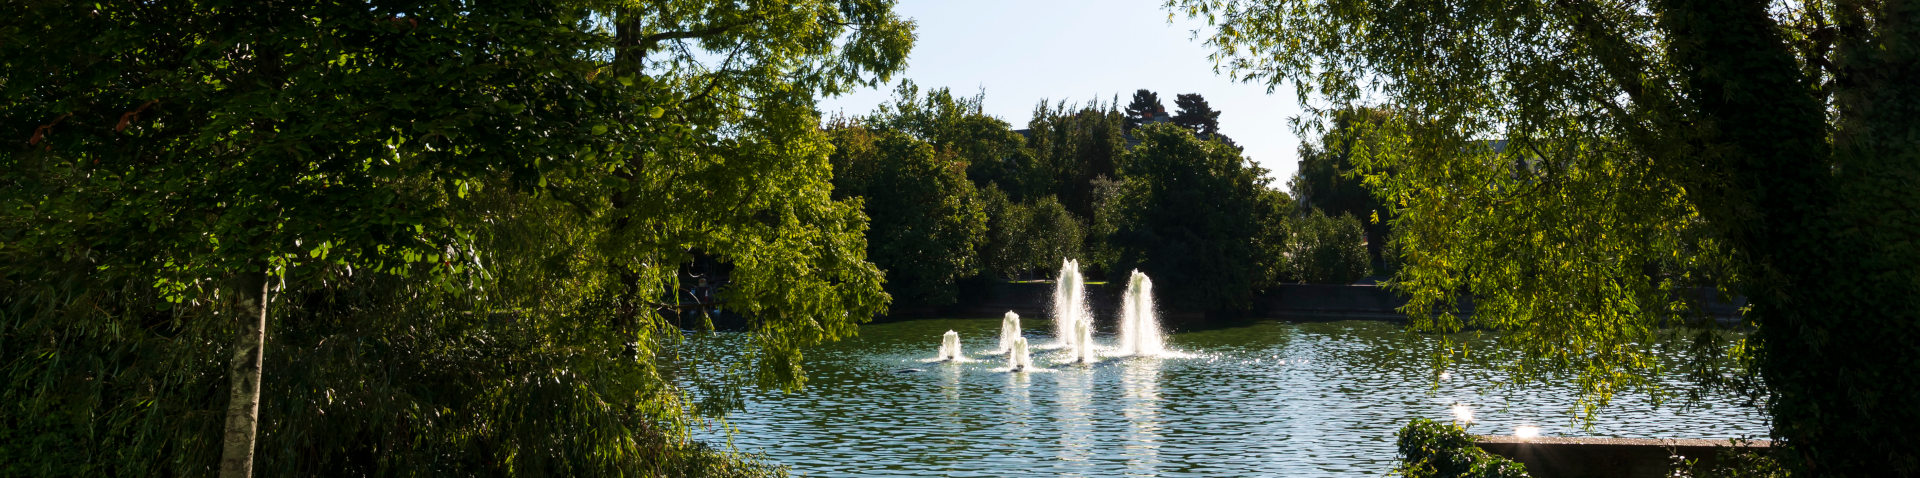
{"type": "Point", "coordinates": [1557, 457]}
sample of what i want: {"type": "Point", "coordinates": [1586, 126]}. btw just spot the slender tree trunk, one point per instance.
{"type": "Point", "coordinates": [243, 405]}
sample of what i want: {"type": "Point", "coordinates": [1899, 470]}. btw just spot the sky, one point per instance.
{"type": "Point", "coordinates": [1019, 52]}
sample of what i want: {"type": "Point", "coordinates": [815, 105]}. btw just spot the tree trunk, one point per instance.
{"type": "Point", "coordinates": [243, 405]}
{"type": "Point", "coordinates": [1833, 298]}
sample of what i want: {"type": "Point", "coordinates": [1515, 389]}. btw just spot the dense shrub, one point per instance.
{"type": "Point", "coordinates": [1430, 449]}
{"type": "Point", "coordinates": [1327, 249]}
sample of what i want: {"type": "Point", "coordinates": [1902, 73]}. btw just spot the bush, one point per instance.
{"type": "Point", "coordinates": [1733, 462]}
{"type": "Point", "coordinates": [1327, 249]}
{"type": "Point", "coordinates": [1430, 449]}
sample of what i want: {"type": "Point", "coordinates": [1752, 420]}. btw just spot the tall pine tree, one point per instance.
{"type": "Point", "coordinates": [1145, 105]}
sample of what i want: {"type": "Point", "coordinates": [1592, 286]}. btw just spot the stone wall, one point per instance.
{"type": "Point", "coordinates": [1553, 457]}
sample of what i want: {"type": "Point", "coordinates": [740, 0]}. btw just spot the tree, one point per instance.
{"type": "Point", "coordinates": [1274, 214]}
{"type": "Point", "coordinates": [1189, 208]}
{"type": "Point", "coordinates": [1772, 139]}
{"type": "Point", "coordinates": [993, 153]}
{"type": "Point", "coordinates": [1328, 181]}
{"type": "Point", "coordinates": [1003, 253]}
{"type": "Point", "coordinates": [1071, 145]}
{"type": "Point", "coordinates": [1327, 249]}
{"type": "Point", "coordinates": [1191, 112]}
{"type": "Point", "coordinates": [1143, 108]}
{"type": "Point", "coordinates": [367, 171]}
{"type": "Point", "coordinates": [1053, 235]}
{"type": "Point", "coordinates": [927, 222]}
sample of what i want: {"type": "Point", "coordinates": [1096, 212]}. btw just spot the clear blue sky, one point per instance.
{"type": "Point", "coordinates": [1020, 52]}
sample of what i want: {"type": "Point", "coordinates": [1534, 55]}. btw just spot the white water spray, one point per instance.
{"type": "Point", "coordinates": [1009, 332]}
{"type": "Point", "coordinates": [1139, 325]}
{"type": "Point", "coordinates": [1017, 358]}
{"type": "Point", "coordinates": [1069, 304]}
{"type": "Point", "coordinates": [950, 348]}
{"type": "Point", "coordinates": [1083, 344]}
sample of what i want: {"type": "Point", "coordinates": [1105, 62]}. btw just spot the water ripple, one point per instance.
{"type": "Point", "coordinates": [1267, 399]}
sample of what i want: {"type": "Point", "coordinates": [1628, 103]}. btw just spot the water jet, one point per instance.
{"type": "Point", "coordinates": [1017, 358]}
{"type": "Point", "coordinates": [1139, 325]}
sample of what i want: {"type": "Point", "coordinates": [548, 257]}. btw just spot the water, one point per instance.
{"type": "Point", "coordinates": [1018, 360]}
{"type": "Point", "coordinates": [1083, 345]}
{"type": "Point", "coordinates": [1139, 324]}
{"type": "Point", "coordinates": [1009, 331]}
{"type": "Point", "coordinates": [1263, 399]}
{"type": "Point", "coordinates": [950, 348]}
{"type": "Point", "coordinates": [1069, 304]}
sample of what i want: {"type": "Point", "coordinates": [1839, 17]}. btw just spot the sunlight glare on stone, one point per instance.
{"type": "Point", "coordinates": [1526, 431]}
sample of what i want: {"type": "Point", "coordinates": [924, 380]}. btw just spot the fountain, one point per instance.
{"type": "Point", "coordinates": [1139, 327]}
{"type": "Point", "coordinates": [1009, 332]}
{"type": "Point", "coordinates": [1069, 303]}
{"type": "Point", "coordinates": [1017, 358]}
{"type": "Point", "coordinates": [1083, 343]}
{"type": "Point", "coordinates": [950, 348]}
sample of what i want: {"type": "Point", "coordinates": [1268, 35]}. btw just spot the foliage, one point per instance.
{"type": "Point", "coordinates": [1001, 254]}
{"type": "Point", "coordinates": [1189, 208]}
{"type": "Point", "coordinates": [1109, 214]}
{"type": "Point", "coordinates": [1328, 180]}
{"type": "Point", "coordinates": [1327, 249]}
{"type": "Point", "coordinates": [1142, 108]}
{"type": "Point", "coordinates": [465, 213]}
{"type": "Point", "coordinates": [1644, 148]}
{"type": "Point", "coordinates": [1071, 146]}
{"type": "Point", "coordinates": [993, 153]}
{"type": "Point", "coordinates": [927, 222]}
{"type": "Point", "coordinates": [1434, 450]}
{"type": "Point", "coordinates": [1274, 215]}
{"type": "Point", "coordinates": [1024, 238]}
{"type": "Point", "coordinates": [1055, 235]}
{"type": "Point", "coordinates": [1732, 462]}
{"type": "Point", "coordinates": [1192, 112]}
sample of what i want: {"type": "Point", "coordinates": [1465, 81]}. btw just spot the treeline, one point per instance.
{"type": "Point", "coordinates": [955, 197]}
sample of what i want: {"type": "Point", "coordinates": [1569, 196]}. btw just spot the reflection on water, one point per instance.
{"type": "Point", "coordinates": [1267, 399]}
{"type": "Point", "coordinates": [1019, 411]}
{"type": "Point", "coordinates": [1075, 413]}
{"type": "Point", "coordinates": [1140, 404]}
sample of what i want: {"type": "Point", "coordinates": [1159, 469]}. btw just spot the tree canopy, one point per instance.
{"type": "Point", "coordinates": [928, 221]}
{"type": "Point", "coordinates": [1190, 217]}
{"type": "Point", "coordinates": [1142, 108]}
{"type": "Point", "coordinates": [1192, 112]}
{"type": "Point", "coordinates": [1644, 148]}
{"type": "Point", "coordinates": [452, 210]}
{"type": "Point", "coordinates": [1328, 181]}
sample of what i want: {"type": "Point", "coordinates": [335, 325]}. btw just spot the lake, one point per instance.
{"type": "Point", "coordinates": [1266, 398]}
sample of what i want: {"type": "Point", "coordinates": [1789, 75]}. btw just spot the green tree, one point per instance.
{"type": "Point", "coordinates": [1327, 180]}
{"type": "Point", "coordinates": [1054, 234]}
{"type": "Point", "coordinates": [189, 168]}
{"type": "Point", "coordinates": [1192, 112]}
{"type": "Point", "coordinates": [927, 222]}
{"type": "Point", "coordinates": [993, 153]}
{"type": "Point", "coordinates": [1327, 249]}
{"type": "Point", "coordinates": [1189, 209]}
{"type": "Point", "coordinates": [1273, 213]}
{"type": "Point", "coordinates": [1142, 108]}
{"type": "Point", "coordinates": [1002, 254]}
{"type": "Point", "coordinates": [1110, 207]}
{"type": "Point", "coordinates": [1071, 146]}
{"type": "Point", "coordinates": [1772, 138]}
